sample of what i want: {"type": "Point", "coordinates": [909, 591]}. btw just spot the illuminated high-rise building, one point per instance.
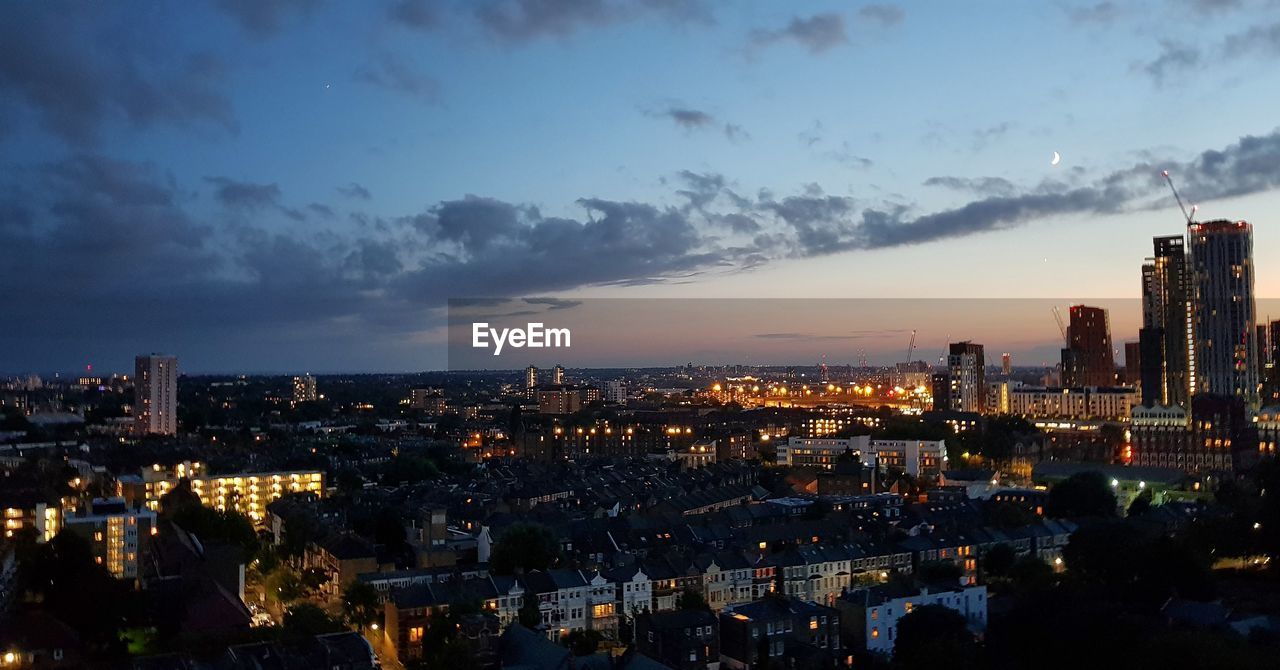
{"type": "Point", "coordinates": [155, 386]}
{"type": "Point", "coordinates": [1088, 359]}
{"type": "Point", "coordinates": [557, 375]}
{"type": "Point", "coordinates": [1226, 352]}
{"type": "Point", "coordinates": [530, 381]}
{"type": "Point", "coordinates": [1167, 345]}
{"type": "Point", "coordinates": [967, 377]}
{"type": "Point", "coordinates": [304, 389]}
{"type": "Point", "coordinates": [1006, 364]}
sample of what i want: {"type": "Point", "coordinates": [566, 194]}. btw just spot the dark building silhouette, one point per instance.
{"type": "Point", "coordinates": [1088, 359]}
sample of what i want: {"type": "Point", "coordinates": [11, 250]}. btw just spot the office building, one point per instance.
{"type": "Point", "coordinates": [1088, 359]}
{"type": "Point", "coordinates": [967, 375]}
{"type": "Point", "coordinates": [557, 375]}
{"type": "Point", "coordinates": [1224, 320]}
{"type": "Point", "coordinates": [155, 386]}
{"type": "Point", "coordinates": [304, 389]}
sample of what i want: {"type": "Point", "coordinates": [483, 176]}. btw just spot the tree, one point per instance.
{"type": "Point", "coordinates": [360, 604]}
{"type": "Point", "coordinates": [1083, 494]}
{"type": "Point", "coordinates": [388, 529]}
{"type": "Point", "coordinates": [583, 642]}
{"type": "Point", "coordinates": [998, 560]}
{"type": "Point", "coordinates": [1141, 504]}
{"type": "Point", "coordinates": [691, 599]}
{"type": "Point", "coordinates": [1029, 573]}
{"type": "Point", "coordinates": [306, 620]}
{"type": "Point", "coordinates": [934, 636]}
{"type": "Point", "coordinates": [529, 615]}
{"type": "Point", "coordinates": [940, 571]}
{"type": "Point", "coordinates": [523, 547]}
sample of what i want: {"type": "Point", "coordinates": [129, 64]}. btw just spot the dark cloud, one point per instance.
{"type": "Point", "coordinates": [354, 190]}
{"type": "Point", "coordinates": [979, 185]}
{"type": "Point", "coordinates": [818, 33]}
{"type": "Point", "coordinates": [887, 15]}
{"type": "Point", "coordinates": [396, 74]}
{"type": "Point", "coordinates": [243, 194]}
{"type": "Point", "coordinates": [415, 14]}
{"type": "Point", "coordinates": [74, 80]}
{"type": "Point", "coordinates": [116, 244]}
{"type": "Point", "coordinates": [264, 18]}
{"type": "Point", "coordinates": [687, 118]}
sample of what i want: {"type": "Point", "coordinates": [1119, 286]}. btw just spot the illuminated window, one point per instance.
{"type": "Point", "coordinates": [813, 623]}
{"type": "Point", "coordinates": [415, 634]}
{"type": "Point", "coordinates": [875, 632]}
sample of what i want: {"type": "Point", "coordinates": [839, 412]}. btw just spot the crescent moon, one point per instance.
{"type": "Point", "coordinates": [1057, 158]}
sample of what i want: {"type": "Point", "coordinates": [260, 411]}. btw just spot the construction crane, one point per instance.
{"type": "Point", "coordinates": [1062, 328]}
{"type": "Point", "coordinates": [1189, 216]}
{"type": "Point", "coordinates": [911, 348]}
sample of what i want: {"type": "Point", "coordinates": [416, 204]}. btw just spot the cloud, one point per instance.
{"type": "Point", "coordinates": [817, 33]}
{"type": "Point", "coordinates": [75, 80]}
{"type": "Point", "coordinates": [415, 14]}
{"type": "Point", "coordinates": [125, 246]}
{"type": "Point", "coordinates": [979, 185]}
{"type": "Point", "coordinates": [692, 119]}
{"type": "Point", "coordinates": [886, 15]}
{"type": "Point", "coordinates": [1175, 58]}
{"type": "Point", "coordinates": [243, 194]}
{"type": "Point", "coordinates": [396, 74]}
{"type": "Point", "coordinates": [354, 190]}
{"type": "Point", "coordinates": [553, 303]}
{"type": "Point", "coordinates": [689, 119]}
{"type": "Point", "coordinates": [520, 21]}
{"type": "Point", "coordinates": [264, 18]}
{"type": "Point", "coordinates": [1095, 13]}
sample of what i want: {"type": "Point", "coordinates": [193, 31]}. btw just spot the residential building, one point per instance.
{"type": "Point", "coordinates": [770, 631]}
{"type": "Point", "coordinates": [871, 615]}
{"type": "Point", "coordinates": [683, 640]}
{"type": "Point", "coordinates": [1088, 359]}
{"type": "Point", "coordinates": [118, 535]}
{"type": "Point", "coordinates": [822, 452]}
{"type": "Point", "coordinates": [304, 389]}
{"type": "Point", "coordinates": [967, 377]}
{"type": "Point", "coordinates": [1225, 334]}
{"type": "Point", "coordinates": [246, 492]}
{"type": "Point", "coordinates": [155, 386]}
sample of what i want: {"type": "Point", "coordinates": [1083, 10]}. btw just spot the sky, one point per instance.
{"type": "Point", "coordinates": [301, 185]}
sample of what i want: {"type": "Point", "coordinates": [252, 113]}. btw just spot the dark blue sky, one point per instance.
{"type": "Point", "coordinates": [301, 184]}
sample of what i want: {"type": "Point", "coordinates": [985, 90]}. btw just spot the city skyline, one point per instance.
{"type": "Point", "coordinates": [254, 202]}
